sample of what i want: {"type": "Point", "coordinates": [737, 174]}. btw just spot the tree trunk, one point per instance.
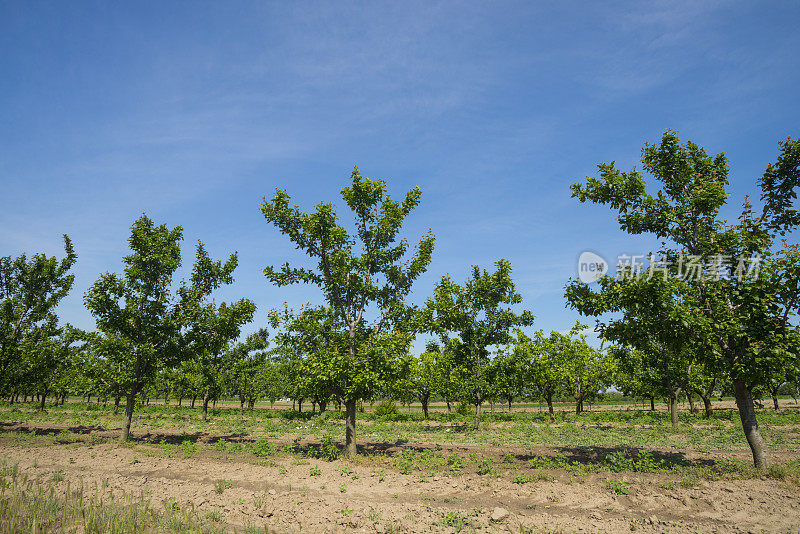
{"type": "Point", "coordinates": [449, 409]}
{"type": "Point", "coordinates": [509, 404]}
{"type": "Point", "coordinates": [578, 395]}
{"type": "Point", "coordinates": [652, 404]}
{"type": "Point", "coordinates": [708, 411]}
{"type": "Point", "coordinates": [692, 408]}
{"type": "Point", "coordinates": [477, 414]}
{"type": "Point", "coordinates": [126, 421]}
{"type": "Point", "coordinates": [300, 405]}
{"type": "Point", "coordinates": [194, 398]}
{"type": "Point", "coordinates": [206, 399]}
{"type": "Point", "coordinates": [775, 399]}
{"type": "Point", "coordinates": [323, 404]}
{"type": "Point", "coordinates": [747, 413]}
{"type": "Point", "coordinates": [424, 401]}
{"type": "Point", "coordinates": [44, 398]}
{"type": "Point", "coordinates": [350, 449]}
{"type": "Point", "coordinates": [549, 399]}
{"type": "Point", "coordinates": [116, 404]}
{"type": "Point", "coordinates": [673, 409]}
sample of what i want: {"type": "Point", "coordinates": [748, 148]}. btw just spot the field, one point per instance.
{"type": "Point", "coordinates": [616, 468]}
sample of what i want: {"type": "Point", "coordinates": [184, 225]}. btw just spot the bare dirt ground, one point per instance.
{"type": "Point", "coordinates": [293, 494]}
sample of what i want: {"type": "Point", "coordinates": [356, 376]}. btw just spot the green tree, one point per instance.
{"type": "Point", "coordinates": [211, 328]}
{"type": "Point", "coordinates": [447, 374]}
{"type": "Point", "coordinates": [480, 313]}
{"type": "Point", "coordinates": [425, 377]}
{"type": "Point", "coordinates": [586, 370]}
{"type": "Point", "coordinates": [49, 355]}
{"type": "Point", "coordinates": [778, 374]}
{"type": "Point", "coordinates": [705, 381]}
{"type": "Point", "coordinates": [508, 376]}
{"type": "Point", "coordinates": [633, 377]}
{"type": "Point", "coordinates": [364, 279]}
{"type": "Point", "coordinates": [651, 315]}
{"type": "Point", "coordinates": [30, 290]}
{"type": "Point", "coordinates": [542, 365]}
{"type": "Point", "coordinates": [105, 369]}
{"type": "Point", "coordinates": [745, 319]}
{"type": "Point", "coordinates": [248, 376]}
{"type": "Point", "coordinates": [138, 308]}
{"type": "Point", "coordinates": [311, 355]}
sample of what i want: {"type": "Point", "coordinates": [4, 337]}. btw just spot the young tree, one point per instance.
{"type": "Point", "coordinates": [780, 373]}
{"type": "Point", "coordinates": [508, 376]}
{"type": "Point", "coordinates": [364, 279]}
{"type": "Point", "coordinates": [448, 375]}
{"type": "Point", "coordinates": [476, 313]}
{"type": "Point", "coordinates": [210, 329]}
{"type": "Point", "coordinates": [249, 373]}
{"type": "Point", "coordinates": [30, 290]}
{"type": "Point", "coordinates": [586, 370]}
{"type": "Point", "coordinates": [744, 318]}
{"type": "Point", "coordinates": [137, 307]}
{"type": "Point", "coordinates": [543, 367]}
{"type": "Point", "coordinates": [105, 369]}
{"type": "Point", "coordinates": [705, 381]}
{"type": "Point", "coordinates": [425, 377]}
{"type": "Point", "coordinates": [652, 316]}
{"type": "Point", "coordinates": [49, 354]}
{"type": "Point", "coordinates": [632, 376]}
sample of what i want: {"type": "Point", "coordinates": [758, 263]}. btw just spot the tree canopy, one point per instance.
{"type": "Point", "coordinates": [736, 281]}
{"type": "Point", "coordinates": [365, 277]}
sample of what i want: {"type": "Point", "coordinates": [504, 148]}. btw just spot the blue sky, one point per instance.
{"type": "Point", "coordinates": [193, 112]}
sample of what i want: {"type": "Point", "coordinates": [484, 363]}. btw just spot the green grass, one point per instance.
{"type": "Point", "coordinates": [613, 441]}
{"type": "Point", "coordinates": [456, 520]}
{"type": "Point", "coordinates": [221, 485]}
{"type": "Point", "coordinates": [34, 505]}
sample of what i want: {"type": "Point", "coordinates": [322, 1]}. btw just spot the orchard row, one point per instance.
{"type": "Point", "coordinates": [664, 336]}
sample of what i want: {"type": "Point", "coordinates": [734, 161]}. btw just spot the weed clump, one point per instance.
{"type": "Point", "coordinates": [188, 448]}
{"type": "Point", "coordinates": [485, 466]}
{"type": "Point", "coordinates": [263, 448]}
{"type": "Point", "coordinates": [386, 409]}
{"type": "Point", "coordinates": [327, 450]}
{"type": "Point", "coordinates": [617, 487]}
